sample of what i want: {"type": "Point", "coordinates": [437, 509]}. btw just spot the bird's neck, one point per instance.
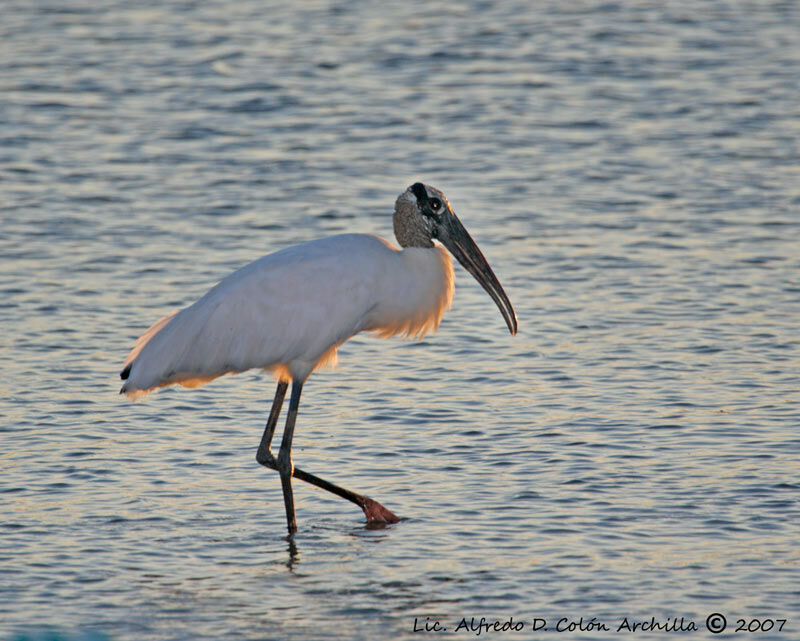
{"type": "Point", "coordinates": [408, 226]}
{"type": "Point", "coordinates": [414, 294]}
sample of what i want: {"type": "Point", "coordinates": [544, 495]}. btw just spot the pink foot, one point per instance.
{"type": "Point", "coordinates": [376, 513]}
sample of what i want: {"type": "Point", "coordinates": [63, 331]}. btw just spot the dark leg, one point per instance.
{"type": "Point", "coordinates": [373, 510]}
{"type": "Point", "coordinates": [285, 465]}
{"type": "Point", "coordinates": [264, 454]}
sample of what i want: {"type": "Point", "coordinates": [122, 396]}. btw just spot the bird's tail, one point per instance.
{"type": "Point", "coordinates": [129, 388]}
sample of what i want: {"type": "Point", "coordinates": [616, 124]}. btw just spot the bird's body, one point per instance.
{"type": "Point", "coordinates": [288, 312]}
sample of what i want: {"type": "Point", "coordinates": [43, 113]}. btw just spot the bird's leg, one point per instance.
{"type": "Point", "coordinates": [264, 452]}
{"type": "Point", "coordinates": [374, 511]}
{"type": "Point", "coordinates": [285, 465]}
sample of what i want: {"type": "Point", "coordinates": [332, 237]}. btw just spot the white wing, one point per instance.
{"type": "Point", "coordinates": [287, 312]}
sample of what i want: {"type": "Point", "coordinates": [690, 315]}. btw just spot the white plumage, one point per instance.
{"type": "Point", "coordinates": [289, 311]}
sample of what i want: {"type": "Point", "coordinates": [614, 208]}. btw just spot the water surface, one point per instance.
{"type": "Point", "coordinates": [630, 171]}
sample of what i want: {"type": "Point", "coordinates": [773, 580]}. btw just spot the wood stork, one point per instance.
{"type": "Point", "coordinates": [289, 311]}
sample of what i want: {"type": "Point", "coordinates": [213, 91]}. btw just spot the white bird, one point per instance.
{"type": "Point", "coordinates": [289, 311]}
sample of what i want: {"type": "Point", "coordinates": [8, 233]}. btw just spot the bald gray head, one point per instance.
{"type": "Point", "coordinates": [414, 213]}
{"type": "Point", "coordinates": [422, 214]}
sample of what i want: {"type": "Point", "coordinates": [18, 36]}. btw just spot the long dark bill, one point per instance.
{"type": "Point", "coordinates": [455, 237]}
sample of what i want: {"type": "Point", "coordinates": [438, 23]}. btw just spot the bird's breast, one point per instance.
{"type": "Point", "coordinates": [413, 293]}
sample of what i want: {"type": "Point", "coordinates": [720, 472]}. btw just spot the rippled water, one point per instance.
{"type": "Point", "coordinates": [630, 170]}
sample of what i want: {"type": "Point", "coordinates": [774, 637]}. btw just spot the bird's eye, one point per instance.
{"type": "Point", "coordinates": [435, 204]}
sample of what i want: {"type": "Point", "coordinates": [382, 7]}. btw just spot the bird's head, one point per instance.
{"type": "Point", "coordinates": [422, 214]}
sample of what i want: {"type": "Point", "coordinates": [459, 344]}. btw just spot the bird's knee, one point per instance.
{"type": "Point", "coordinates": [285, 465]}
{"type": "Point", "coordinates": [266, 458]}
